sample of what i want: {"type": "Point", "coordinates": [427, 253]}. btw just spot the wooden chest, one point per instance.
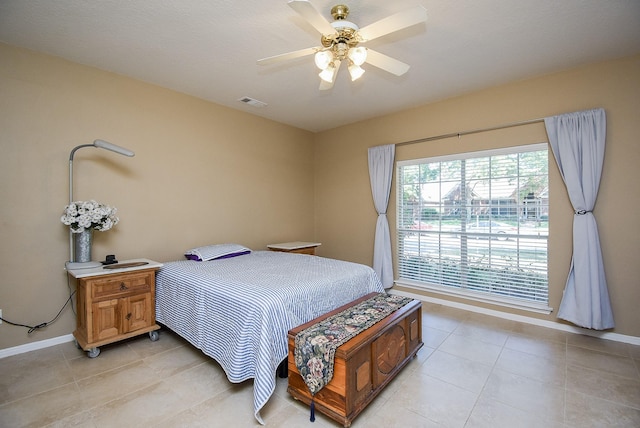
{"type": "Point", "coordinates": [364, 365]}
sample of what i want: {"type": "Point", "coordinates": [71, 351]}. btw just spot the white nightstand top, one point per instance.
{"type": "Point", "coordinates": [288, 246]}
{"type": "Point", "coordinates": [100, 270]}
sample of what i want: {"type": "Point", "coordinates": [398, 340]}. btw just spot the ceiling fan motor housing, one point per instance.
{"type": "Point", "coordinates": [346, 36]}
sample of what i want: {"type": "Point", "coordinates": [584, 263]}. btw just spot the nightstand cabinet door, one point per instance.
{"type": "Point", "coordinates": [106, 319]}
{"type": "Point", "coordinates": [137, 313]}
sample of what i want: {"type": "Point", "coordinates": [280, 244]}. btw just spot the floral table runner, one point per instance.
{"type": "Point", "coordinates": [315, 347]}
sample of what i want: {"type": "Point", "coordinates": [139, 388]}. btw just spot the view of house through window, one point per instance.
{"type": "Point", "coordinates": [476, 224]}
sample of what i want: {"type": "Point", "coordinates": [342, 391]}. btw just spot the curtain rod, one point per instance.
{"type": "Point", "coordinates": [474, 131]}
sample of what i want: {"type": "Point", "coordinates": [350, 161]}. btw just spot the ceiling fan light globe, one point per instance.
{"type": "Point", "coordinates": [327, 74]}
{"type": "Point", "coordinates": [323, 59]}
{"type": "Point", "coordinates": [355, 71]}
{"type": "Point", "coordinates": [358, 55]}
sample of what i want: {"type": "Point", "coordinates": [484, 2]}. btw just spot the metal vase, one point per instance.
{"type": "Point", "coordinates": [82, 246]}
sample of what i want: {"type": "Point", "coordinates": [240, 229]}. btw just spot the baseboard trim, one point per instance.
{"type": "Point", "coordinates": [633, 340]}
{"type": "Point", "coordinates": [33, 346]}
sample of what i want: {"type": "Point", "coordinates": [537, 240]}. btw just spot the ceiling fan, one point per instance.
{"type": "Point", "coordinates": [340, 41]}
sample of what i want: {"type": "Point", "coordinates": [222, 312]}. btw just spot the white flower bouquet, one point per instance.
{"type": "Point", "coordinates": [81, 215]}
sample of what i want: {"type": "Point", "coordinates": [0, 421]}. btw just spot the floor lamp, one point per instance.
{"type": "Point", "coordinates": [102, 145]}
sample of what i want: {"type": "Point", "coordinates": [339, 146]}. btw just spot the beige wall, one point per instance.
{"type": "Point", "coordinates": [208, 174]}
{"type": "Point", "coordinates": [202, 174]}
{"type": "Point", "coordinates": [345, 217]}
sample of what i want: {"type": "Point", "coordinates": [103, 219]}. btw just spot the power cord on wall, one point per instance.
{"type": "Point", "coordinates": [33, 328]}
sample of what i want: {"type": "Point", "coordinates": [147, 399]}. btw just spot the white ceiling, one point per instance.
{"type": "Point", "coordinates": [209, 48]}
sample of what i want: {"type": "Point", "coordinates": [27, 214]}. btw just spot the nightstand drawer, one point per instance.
{"type": "Point", "coordinates": [121, 285]}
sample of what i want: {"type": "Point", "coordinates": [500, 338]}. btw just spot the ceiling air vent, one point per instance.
{"type": "Point", "coordinates": [252, 102]}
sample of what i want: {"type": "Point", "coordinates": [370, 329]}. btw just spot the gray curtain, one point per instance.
{"type": "Point", "coordinates": [380, 173]}
{"type": "Point", "coordinates": [578, 140]}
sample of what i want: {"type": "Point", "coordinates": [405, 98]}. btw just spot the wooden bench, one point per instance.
{"type": "Point", "coordinates": [364, 365]}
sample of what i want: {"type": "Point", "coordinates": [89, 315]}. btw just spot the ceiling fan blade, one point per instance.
{"type": "Point", "coordinates": [324, 85]}
{"type": "Point", "coordinates": [308, 12]}
{"type": "Point", "coordinates": [393, 23]}
{"type": "Point", "coordinates": [386, 63]}
{"type": "Point", "coordinates": [287, 56]}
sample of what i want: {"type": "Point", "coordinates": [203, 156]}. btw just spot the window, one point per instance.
{"type": "Point", "coordinates": [476, 224]}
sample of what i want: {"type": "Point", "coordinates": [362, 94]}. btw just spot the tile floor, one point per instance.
{"type": "Point", "coordinates": [474, 371]}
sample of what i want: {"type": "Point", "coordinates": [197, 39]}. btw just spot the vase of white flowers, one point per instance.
{"type": "Point", "coordinates": [83, 217]}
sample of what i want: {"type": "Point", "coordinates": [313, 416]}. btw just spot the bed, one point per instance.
{"type": "Point", "coordinates": [238, 310]}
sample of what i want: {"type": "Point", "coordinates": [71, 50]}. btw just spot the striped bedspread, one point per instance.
{"type": "Point", "coordinates": [238, 311]}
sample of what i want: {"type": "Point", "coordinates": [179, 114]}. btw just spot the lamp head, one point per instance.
{"type": "Point", "coordinates": [112, 147]}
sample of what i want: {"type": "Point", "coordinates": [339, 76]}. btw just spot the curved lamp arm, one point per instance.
{"type": "Point", "coordinates": [99, 144]}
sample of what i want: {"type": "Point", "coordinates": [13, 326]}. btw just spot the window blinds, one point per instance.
{"type": "Point", "coordinates": [476, 222]}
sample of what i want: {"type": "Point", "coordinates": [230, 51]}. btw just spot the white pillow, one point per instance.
{"type": "Point", "coordinates": [219, 251]}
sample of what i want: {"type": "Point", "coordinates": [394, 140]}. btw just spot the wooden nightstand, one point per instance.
{"type": "Point", "coordinates": [295, 247]}
{"type": "Point", "coordinates": [115, 302]}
